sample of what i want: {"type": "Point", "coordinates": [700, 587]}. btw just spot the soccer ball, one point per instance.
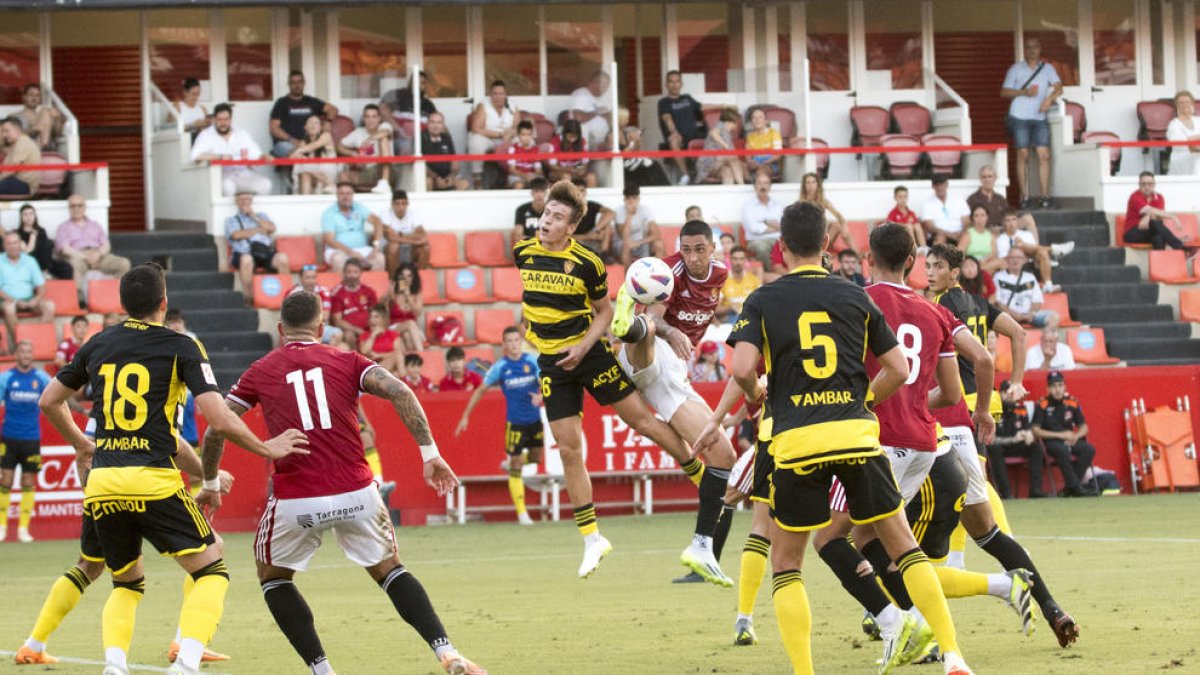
{"type": "Point", "coordinates": [649, 281]}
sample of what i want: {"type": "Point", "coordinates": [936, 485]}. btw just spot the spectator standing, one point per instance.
{"type": "Point", "coordinates": [1019, 295]}
{"type": "Point", "coordinates": [760, 218]}
{"type": "Point", "coordinates": [84, 245]}
{"type": "Point", "coordinates": [591, 106]}
{"type": "Point", "coordinates": [71, 343]}
{"type": "Point", "coordinates": [406, 239]}
{"type": "Point", "coordinates": [681, 120]}
{"type": "Point", "coordinates": [42, 121]}
{"type": "Point", "coordinates": [943, 216]}
{"type": "Point", "coordinates": [521, 168]}
{"type": "Point", "coordinates": [290, 113]}
{"type": "Point", "coordinates": [850, 268]}
{"type": "Point", "coordinates": [458, 378]}
{"type": "Point", "coordinates": [332, 335]}
{"type": "Point", "coordinates": [762, 136]}
{"type": "Point", "coordinates": [720, 137]}
{"type": "Point", "coordinates": [413, 376]}
{"type": "Point", "coordinates": [739, 284]}
{"type": "Point", "coordinates": [188, 110]}
{"type": "Point", "coordinates": [316, 143]}
{"type": "Point", "coordinates": [405, 306]}
{"type": "Point", "coordinates": [398, 104]}
{"type": "Point", "coordinates": [595, 229]}
{"type": "Point", "coordinates": [1144, 216]}
{"type": "Point", "coordinates": [1034, 86]}
{"type": "Point", "coordinates": [435, 140]}
{"type": "Point", "coordinates": [20, 149]}
{"type": "Point", "coordinates": [812, 190]}
{"type": "Point", "coordinates": [1184, 128]}
{"type": "Point", "coordinates": [22, 287]}
{"type": "Point", "coordinates": [570, 139]}
{"type": "Point", "coordinates": [905, 216]}
{"type": "Point", "coordinates": [492, 122]}
{"type": "Point", "coordinates": [986, 196]}
{"type": "Point", "coordinates": [1015, 236]}
{"type": "Point", "coordinates": [251, 236]}
{"type": "Point", "coordinates": [707, 367]}
{"type": "Point", "coordinates": [223, 141]}
{"type": "Point", "coordinates": [979, 242]}
{"type": "Point", "coordinates": [343, 227]}
{"type": "Point", "coordinates": [1049, 353]}
{"type": "Point", "coordinates": [529, 214]}
{"type": "Point", "coordinates": [380, 343]}
{"type": "Point", "coordinates": [372, 139]}
{"type": "Point", "coordinates": [37, 242]}
{"type": "Point", "coordinates": [639, 235]}
{"type": "Point", "coordinates": [1015, 438]}
{"type": "Point", "coordinates": [351, 302]}
{"type": "Point", "coordinates": [1059, 422]}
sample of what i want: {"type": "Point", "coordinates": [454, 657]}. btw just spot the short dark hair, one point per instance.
{"type": "Point", "coordinates": [579, 182]}
{"type": "Point", "coordinates": [300, 309]}
{"type": "Point", "coordinates": [344, 183]}
{"type": "Point", "coordinates": [693, 228]}
{"type": "Point", "coordinates": [1145, 174]}
{"type": "Point", "coordinates": [399, 194]}
{"type": "Point", "coordinates": [295, 72]}
{"type": "Point", "coordinates": [190, 82]}
{"type": "Point", "coordinates": [497, 83]}
{"type": "Point", "coordinates": [672, 72]}
{"type": "Point", "coordinates": [539, 184]}
{"type": "Point", "coordinates": [1015, 213]}
{"type": "Point", "coordinates": [142, 290]}
{"type": "Point", "coordinates": [31, 85]}
{"type": "Point", "coordinates": [847, 253]}
{"type": "Point", "coordinates": [523, 125]}
{"type": "Point", "coordinates": [891, 245]}
{"type": "Point", "coordinates": [510, 330]}
{"type": "Point", "coordinates": [632, 190]}
{"type": "Point", "coordinates": [353, 262]}
{"type": "Point", "coordinates": [79, 318]}
{"type": "Point", "coordinates": [173, 314]}
{"type": "Point", "coordinates": [13, 120]}
{"type": "Point", "coordinates": [940, 179]}
{"type": "Point", "coordinates": [738, 249]}
{"type": "Point", "coordinates": [802, 229]}
{"type": "Point", "coordinates": [381, 308]}
{"type": "Point", "coordinates": [730, 114]}
{"type": "Point", "coordinates": [455, 354]}
{"type": "Point", "coordinates": [568, 193]}
{"type": "Point", "coordinates": [370, 106]}
{"type": "Point", "coordinates": [950, 254]}
{"type": "Point", "coordinates": [222, 107]}
{"type": "Point", "coordinates": [413, 359]}
{"type": "Point", "coordinates": [898, 190]}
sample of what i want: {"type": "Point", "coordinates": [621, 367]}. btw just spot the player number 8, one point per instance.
{"type": "Point", "coordinates": [909, 337]}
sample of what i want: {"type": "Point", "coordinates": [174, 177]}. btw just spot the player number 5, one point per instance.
{"type": "Point", "coordinates": [909, 337]}
{"type": "Point", "coordinates": [296, 378]}
{"type": "Point", "coordinates": [810, 341]}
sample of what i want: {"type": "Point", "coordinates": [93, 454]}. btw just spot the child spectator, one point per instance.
{"type": "Point", "coordinates": [521, 169]}
{"type": "Point", "coordinates": [570, 139]}
{"type": "Point", "coordinates": [71, 344]}
{"type": "Point", "coordinates": [720, 137]}
{"type": "Point", "coordinates": [405, 307]}
{"type": "Point", "coordinates": [413, 377]}
{"type": "Point", "coordinates": [708, 366]}
{"type": "Point", "coordinates": [458, 378]}
{"type": "Point", "coordinates": [904, 216]}
{"type": "Point", "coordinates": [762, 136]}
{"type": "Point", "coordinates": [380, 343]}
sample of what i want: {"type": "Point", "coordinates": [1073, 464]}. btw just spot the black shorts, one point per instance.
{"type": "Point", "coordinates": [89, 540]}
{"type": "Point", "coordinates": [518, 437]}
{"type": "Point", "coordinates": [764, 464]}
{"type": "Point", "coordinates": [800, 496]}
{"type": "Point", "coordinates": [235, 259]}
{"type": "Point", "coordinates": [173, 525]}
{"type": "Point", "coordinates": [933, 513]}
{"type": "Point", "coordinates": [26, 454]}
{"type": "Point", "coordinates": [598, 372]}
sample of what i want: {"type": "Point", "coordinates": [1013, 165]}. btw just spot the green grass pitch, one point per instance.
{"type": "Point", "coordinates": [1125, 567]}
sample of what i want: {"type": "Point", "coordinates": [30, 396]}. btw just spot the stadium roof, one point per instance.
{"type": "Point", "coordinates": [59, 5]}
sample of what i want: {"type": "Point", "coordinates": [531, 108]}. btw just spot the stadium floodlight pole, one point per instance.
{"type": "Point", "coordinates": [617, 172]}
{"type": "Point", "coordinates": [418, 167]}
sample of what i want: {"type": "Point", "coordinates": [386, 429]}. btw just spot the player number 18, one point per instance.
{"type": "Point", "coordinates": [296, 378]}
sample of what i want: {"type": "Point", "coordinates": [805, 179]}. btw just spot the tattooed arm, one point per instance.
{"type": "Point", "coordinates": [379, 382]}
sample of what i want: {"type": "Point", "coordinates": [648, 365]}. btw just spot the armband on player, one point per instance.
{"type": "Point", "coordinates": [429, 452]}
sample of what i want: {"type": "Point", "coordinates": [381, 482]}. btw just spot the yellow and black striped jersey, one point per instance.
{"type": "Point", "coordinates": [139, 373]}
{"type": "Point", "coordinates": [559, 289]}
{"type": "Point", "coordinates": [813, 330]}
{"type": "Point", "coordinates": [979, 316]}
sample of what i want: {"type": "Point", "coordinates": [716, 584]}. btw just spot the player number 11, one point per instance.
{"type": "Point", "coordinates": [296, 378]}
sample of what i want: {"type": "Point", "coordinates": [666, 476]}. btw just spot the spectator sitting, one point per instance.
{"type": "Point", "coordinates": [812, 190]}
{"type": "Point", "coordinates": [84, 245]}
{"type": "Point", "coordinates": [372, 139]}
{"type": "Point", "coordinates": [1144, 217]}
{"type": "Point", "coordinates": [570, 139]}
{"type": "Point", "coordinates": [979, 242]}
{"type": "Point", "coordinates": [290, 114]}
{"type": "Point", "coordinates": [398, 104]}
{"type": "Point", "coordinates": [1015, 438]}
{"type": "Point", "coordinates": [943, 216]}
{"type": "Point", "coordinates": [595, 229]}
{"type": "Point", "coordinates": [760, 218]}
{"type": "Point", "coordinates": [316, 143]}
{"type": "Point", "coordinates": [1015, 235]}
{"type": "Point", "coordinates": [976, 280]}
{"type": "Point", "coordinates": [380, 343]}
{"type": "Point", "coordinates": [681, 120]}
{"type": "Point", "coordinates": [413, 377]}
{"type": "Point", "coordinates": [458, 378]}
{"type": "Point", "coordinates": [251, 238]}
{"type": "Point", "coordinates": [638, 170]}
{"type": "Point", "coordinates": [905, 216]}
{"type": "Point", "coordinates": [529, 214]}
{"type": "Point", "coordinates": [437, 141]}
{"type": "Point", "coordinates": [590, 105]}
{"type": "Point", "coordinates": [223, 141]}
{"type": "Point", "coordinates": [405, 306]}
{"type": "Point", "coordinates": [986, 196]}
{"type": "Point", "coordinates": [351, 302]}
{"type": "Point", "coordinates": [849, 267]}
{"type": "Point", "coordinates": [343, 227]}
{"type": "Point", "coordinates": [405, 236]}
{"type": "Point", "coordinates": [43, 122]}
{"type": "Point", "coordinates": [707, 367]}
{"type": "Point", "coordinates": [720, 137]}
{"type": "Point", "coordinates": [725, 242]}
{"type": "Point", "coordinates": [37, 242]}
{"type": "Point", "coordinates": [492, 122]}
{"type": "Point", "coordinates": [188, 110]}
{"type": "Point", "coordinates": [639, 235]}
{"type": "Point", "coordinates": [739, 284]}
{"type": "Point", "coordinates": [1050, 354]}
{"type": "Point", "coordinates": [762, 136]}
{"type": "Point", "coordinates": [1059, 422]}
{"type": "Point", "coordinates": [521, 170]}
{"type": "Point", "coordinates": [693, 213]}
{"type": "Point", "coordinates": [1019, 295]}
{"type": "Point", "coordinates": [71, 343]}
{"type": "Point", "coordinates": [20, 149]}
{"type": "Point", "coordinates": [1184, 128]}
{"type": "Point", "coordinates": [332, 335]}
{"type": "Point", "coordinates": [22, 287]}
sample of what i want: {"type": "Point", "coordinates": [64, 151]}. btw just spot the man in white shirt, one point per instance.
{"type": "Point", "coordinates": [406, 238]}
{"type": "Point", "coordinates": [1015, 236]}
{"type": "Point", "coordinates": [1049, 353]}
{"type": "Point", "coordinates": [637, 231]}
{"type": "Point", "coordinates": [372, 139]}
{"type": "Point", "coordinates": [223, 141]}
{"type": "Point", "coordinates": [590, 105]}
{"type": "Point", "coordinates": [1019, 295]}
{"type": "Point", "coordinates": [760, 218]}
{"type": "Point", "coordinates": [942, 216]}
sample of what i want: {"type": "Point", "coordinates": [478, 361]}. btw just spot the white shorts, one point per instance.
{"type": "Point", "coordinates": [741, 476]}
{"type": "Point", "coordinates": [910, 467]}
{"type": "Point", "coordinates": [968, 458]}
{"type": "Point", "coordinates": [291, 529]}
{"type": "Point", "coordinates": [664, 384]}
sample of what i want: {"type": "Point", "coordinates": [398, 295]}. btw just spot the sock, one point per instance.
{"type": "Point", "coordinates": [694, 469]}
{"type": "Point", "coordinates": [120, 613]}
{"type": "Point", "coordinates": [190, 651]}
{"type": "Point", "coordinates": [411, 601]}
{"type": "Point", "coordinates": [750, 577]}
{"type": "Point", "coordinates": [372, 457]}
{"type": "Point", "coordinates": [63, 597]}
{"type": "Point", "coordinates": [999, 585]}
{"type": "Point", "coordinates": [516, 490]}
{"type": "Point", "coordinates": [795, 619]}
{"type": "Point", "coordinates": [712, 499]}
{"type": "Point", "coordinates": [26, 511]}
{"type": "Point", "coordinates": [188, 584]}
{"type": "Point", "coordinates": [322, 667]}
{"type": "Point", "coordinates": [5, 502]}
{"type": "Point", "coordinates": [892, 580]}
{"type": "Point", "coordinates": [202, 608]}
{"type": "Point", "coordinates": [958, 543]}
{"type": "Point", "coordinates": [637, 330]}
{"type": "Point", "coordinates": [1011, 556]}
{"type": "Point", "coordinates": [722, 532]}
{"type": "Point", "coordinates": [585, 519]}
{"type": "Point", "coordinates": [998, 511]}
{"type": "Point", "coordinates": [845, 561]}
{"type": "Point", "coordinates": [294, 617]}
{"type": "Point", "coordinates": [958, 583]}
{"type": "Point", "coordinates": [956, 559]}
{"type": "Point", "coordinates": [926, 592]}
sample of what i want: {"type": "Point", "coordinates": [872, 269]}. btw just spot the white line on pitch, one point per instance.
{"type": "Point", "coordinates": [1117, 540]}
{"type": "Point", "coordinates": [90, 662]}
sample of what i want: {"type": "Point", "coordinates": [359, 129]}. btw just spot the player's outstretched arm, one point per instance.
{"type": "Point", "coordinates": [893, 371]}
{"type": "Point", "coordinates": [985, 380]}
{"type": "Point", "coordinates": [466, 414]}
{"type": "Point", "coordinates": [223, 420]}
{"type": "Point", "coordinates": [1006, 325]}
{"type": "Point", "coordinates": [712, 429]}
{"type": "Point", "coordinates": [379, 382]}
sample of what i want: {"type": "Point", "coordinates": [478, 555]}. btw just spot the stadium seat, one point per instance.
{"type": "Point", "coordinates": [466, 286]}
{"type": "Point", "coordinates": [821, 157]}
{"type": "Point", "coordinates": [486, 249]}
{"type": "Point", "coordinates": [712, 117]}
{"type": "Point", "coordinates": [506, 284]}
{"type": "Point", "coordinates": [948, 162]}
{"type": "Point", "coordinates": [484, 353]}
{"type": "Point", "coordinates": [330, 280]}
{"type": "Point", "coordinates": [490, 325]}
{"type": "Point", "coordinates": [1003, 354]}
{"type": "Point", "coordinates": [1087, 344]}
{"type": "Point", "coordinates": [1119, 234]}
{"type": "Point", "coordinates": [300, 251]}
{"type": "Point", "coordinates": [378, 280]}
{"type": "Point", "coordinates": [93, 328]}
{"type": "Point", "coordinates": [64, 295]}
{"type": "Point", "coordinates": [543, 130]}
{"type": "Point", "coordinates": [901, 163]}
{"type": "Point", "coordinates": [1169, 266]}
{"type": "Point", "coordinates": [1114, 154]}
{"type": "Point", "coordinates": [670, 238]}
{"type": "Point", "coordinates": [860, 234]}
{"type": "Point", "coordinates": [430, 293]}
{"type": "Point", "coordinates": [868, 124]}
{"type": "Point", "coordinates": [269, 290]}
{"type": "Point", "coordinates": [782, 117]}
{"type": "Point", "coordinates": [916, 277]}
{"type": "Point", "coordinates": [1187, 228]}
{"type": "Point", "coordinates": [50, 183]}
{"type": "Point", "coordinates": [616, 278]}
{"type": "Point", "coordinates": [1078, 116]}
{"type": "Point", "coordinates": [104, 296]}
{"type": "Point", "coordinates": [1058, 302]}
{"type": "Point", "coordinates": [42, 335]}
{"type": "Point", "coordinates": [1189, 305]}
{"type": "Point", "coordinates": [435, 364]}
{"type": "Point", "coordinates": [341, 127]}
{"type": "Point", "coordinates": [443, 250]}
{"type": "Point", "coordinates": [1153, 118]}
{"type": "Point", "coordinates": [911, 118]}
{"type": "Point", "coordinates": [430, 317]}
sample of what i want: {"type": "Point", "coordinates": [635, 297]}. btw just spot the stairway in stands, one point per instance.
{"type": "Point", "coordinates": [212, 309]}
{"type": "Point", "coordinates": [1106, 292]}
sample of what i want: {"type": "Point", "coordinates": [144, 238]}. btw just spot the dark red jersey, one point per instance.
{"type": "Point", "coordinates": [694, 301]}
{"type": "Point", "coordinates": [470, 382]}
{"type": "Point", "coordinates": [313, 388]}
{"type": "Point", "coordinates": [925, 336]}
{"type": "Point", "coordinates": [354, 305]}
{"type": "Point", "coordinates": [66, 349]}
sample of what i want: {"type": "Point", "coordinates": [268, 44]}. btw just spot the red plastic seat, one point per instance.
{"type": "Point", "coordinates": [1058, 303]}
{"type": "Point", "coordinates": [341, 127]}
{"type": "Point", "coordinates": [1170, 267]}
{"type": "Point", "coordinates": [50, 181]}
{"type": "Point", "coordinates": [42, 335]}
{"type": "Point", "coordinates": [506, 284]}
{"type": "Point", "coordinates": [616, 279]}
{"type": "Point", "coordinates": [784, 117]}
{"type": "Point", "coordinates": [1078, 115]}
{"type": "Point", "coordinates": [431, 317]}
{"type": "Point", "coordinates": [910, 118]}
{"type": "Point", "coordinates": [1153, 118]}
{"type": "Point", "coordinates": [1189, 305]}
{"type": "Point", "coordinates": [443, 250]}
{"type": "Point", "coordinates": [901, 163]}
{"type": "Point", "coordinates": [104, 296]}
{"type": "Point", "coordinates": [917, 278]}
{"type": "Point", "coordinates": [430, 293]}
{"type": "Point", "coordinates": [466, 286]}
{"type": "Point", "coordinates": [1187, 228]}
{"type": "Point", "coordinates": [270, 289]}
{"type": "Point", "coordinates": [93, 328]}
{"type": "Point", "coordinates": [378, 280]}
{"type": "Point", "coordinates": [434, 367]}
{"type": "Point", "coordinates": [486, 249]}
{"type": "Point", "coordinates": [670, 237]}
{"type": "Point", "coordinates": [484, 353]}
{"type": "Point", "coordinates": [869, 123]}
{"type": "Point", "coordinates": [543, 130]}
{"type": "Point", "coordinates": [1114, 154]}
{"type": "Point", "coordinates": [1087, 344]}
{"type": "Point", "coordinates": [946, 162]}
{"type": "Point", "coordinates": [300, 251]}
{"type": "Point", "coordinates": [329, 280]}
{"type": "Point", "coordinates": [64, 295]}
{"type": "Point", "coordinates": [490, 325]}
{"type": "Point", "coordinates": [860, 233]}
